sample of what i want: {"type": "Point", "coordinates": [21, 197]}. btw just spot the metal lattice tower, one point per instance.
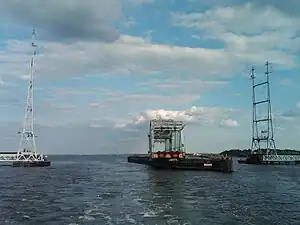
{"type": "Point", "coordinates": [167, 132]}
{"type": "Point", "coordinates": [27, 146]}
{"type": "Point", "coordinates": [262, 136]}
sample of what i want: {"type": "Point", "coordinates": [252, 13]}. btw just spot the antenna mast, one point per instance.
{"type": "Point", "coordinates": [260, 135]}
{"type": "Point", "coordinates": [27, 141]}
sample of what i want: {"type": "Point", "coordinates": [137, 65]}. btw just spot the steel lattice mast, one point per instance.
{"type": "Point", "coordinates": [27, 141]}
{"type": "Point", "coordinates": [260, 136]}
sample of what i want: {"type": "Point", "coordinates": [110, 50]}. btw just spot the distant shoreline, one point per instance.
{"type": "Point", "coordinates": [246, 152]}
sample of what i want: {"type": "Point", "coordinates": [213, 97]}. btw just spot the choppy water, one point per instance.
{"type": "Point", "coordinates": [108, 190]}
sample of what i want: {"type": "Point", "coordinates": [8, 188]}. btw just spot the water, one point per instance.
{"type": "Point", "coordinates": [108, 190]}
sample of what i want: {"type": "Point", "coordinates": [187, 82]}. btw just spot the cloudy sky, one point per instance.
{"type": "Point", "coordinates": [104, 68]}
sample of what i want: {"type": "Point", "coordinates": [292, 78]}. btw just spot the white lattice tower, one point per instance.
{"type": "Point", "coordinates": [27, 146]}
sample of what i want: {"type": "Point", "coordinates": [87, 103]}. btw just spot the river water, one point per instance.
{"type": "Point", "coordinates": [107, 190]}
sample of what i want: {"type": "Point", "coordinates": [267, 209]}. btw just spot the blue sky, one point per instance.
{"type": "Point", "coordinates": [104, 69]}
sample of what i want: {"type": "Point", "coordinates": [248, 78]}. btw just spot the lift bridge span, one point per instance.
{"type": "Point", "coordinates": [8, 156]}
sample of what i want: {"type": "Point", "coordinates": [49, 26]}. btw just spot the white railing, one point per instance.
{"type": "Point", "coordinates": [281, 158]}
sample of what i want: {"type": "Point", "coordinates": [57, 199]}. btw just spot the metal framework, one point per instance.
{"type": "Point", "coordinates": [6, 157]}
{"type": "Point", "coordinates": [281, 158]}
{"type": "Point", "coordinates": [167, 132]}
{"type": "Point", "coordinates": [262, 136]}
{"type": "Point", "coordinates": [27, 147]}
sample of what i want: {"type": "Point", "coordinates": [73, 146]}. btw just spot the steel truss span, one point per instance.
{"type": "Point", "coordinates": [167, 132]}
{"type": "Point", "coordinates": [21, 157]}
{"type": "Point", "coordinates": [281, 158]}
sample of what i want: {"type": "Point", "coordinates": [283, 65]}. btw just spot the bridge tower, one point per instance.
{"type": "Point", "coordinates": [262, 128]}
{"type": "Point", "coordinates": [27, 147]}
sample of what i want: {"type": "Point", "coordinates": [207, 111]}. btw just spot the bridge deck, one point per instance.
{"type": "Point", "coordinates": [8, 157]}
{"type": "Point", "coordinates": [281, 158]}
{"type": "Point", "coordinates": [12, 156]}
{"type": "Point", "coordinates": [4, 153]}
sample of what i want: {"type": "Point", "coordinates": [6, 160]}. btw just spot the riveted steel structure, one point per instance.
{"type": "Point", "coordinates": [167, 132]}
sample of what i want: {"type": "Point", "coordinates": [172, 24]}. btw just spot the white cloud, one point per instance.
{"type": "Point", "coordinates": [94, 104]}
{"type": "Point", "coordinates": [196, 115]}
{"type": "Point", "coordinates": [252, 34]}
{"type": "Point", "coordinates": [138, 2]}
{"type": "Point", "coordinates": [289, 7]}
{"type": "Point", "coordinates": [291, 114]}
{"type": "Point", "coordinates": [62, 106]}
{"type": "Point", "coordinates": [229, 123]}
{"type": "Point", "coordinates": [129, 22]}
{"type": "Point", "coordinates": [244, 19]}
{"type": "Point", "coordinates": [182, 85]}
{"type": "Point", "coordinates": [128, 55]}
{"type": "Point", "coordinates": [151, 99]}
{"type": "Point", "coordinates": [4, 83]}
{"type": "Point", "coordinates": [287, 82]}
{"type": "Point", "coordinates": [137, 56]}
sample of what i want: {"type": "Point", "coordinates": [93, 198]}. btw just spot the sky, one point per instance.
{"type": "Point", "coordinates": [105, 68]}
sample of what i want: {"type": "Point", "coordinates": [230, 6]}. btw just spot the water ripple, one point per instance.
{"type": "Point", "coordinates": [107, 190]}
